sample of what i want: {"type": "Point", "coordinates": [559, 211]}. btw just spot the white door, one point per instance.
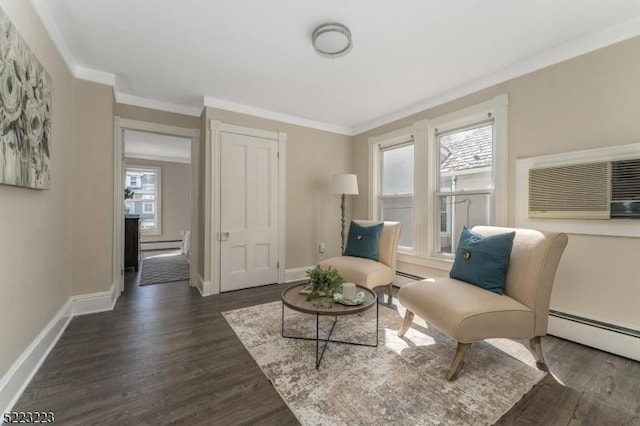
{"type": "Point", "coordinates": [248, 211]}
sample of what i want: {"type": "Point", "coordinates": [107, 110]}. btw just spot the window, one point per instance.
{"type": "Point", "coordinates": [464, 181]}
{"type": "Point", "coordinates": [394, 158]}
{"type": "Point", "coordinates": [439, 175]}
{"type": "Point", "coordinates": [148, 207]}
{"type": "Point", "coordinates": [396, 197]}
{"type": "Point", "coordinates": [145, 184]}
{"type": "Point", "coordinates": [133, 181]}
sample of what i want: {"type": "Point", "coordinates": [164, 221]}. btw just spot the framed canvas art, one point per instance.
{"type": "Point", "coordinates": [25, 112]}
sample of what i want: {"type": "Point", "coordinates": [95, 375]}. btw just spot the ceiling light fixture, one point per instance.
{"type": "Point", "coordinates": [332, 40]}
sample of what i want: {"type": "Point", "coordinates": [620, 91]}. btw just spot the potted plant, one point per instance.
{"type": "Point", "coordinates": [322, 282]}
{"type": "Point", "coordinates": [128, 195]}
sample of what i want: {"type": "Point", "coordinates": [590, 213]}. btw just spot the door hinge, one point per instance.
{"type": "Point", "coordinates": [278, 155]}
{"type": "Point", "coordinates": [278, 265]}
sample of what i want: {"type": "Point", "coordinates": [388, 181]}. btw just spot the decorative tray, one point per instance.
{"type": "Point", "coordinates": [358, 300]}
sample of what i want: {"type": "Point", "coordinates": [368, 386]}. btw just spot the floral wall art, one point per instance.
{"type": "Point", "coordinates": [25, 112]}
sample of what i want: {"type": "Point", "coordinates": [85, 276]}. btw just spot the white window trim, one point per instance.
{"type": "Point", "coordinates": [425, 176]}
{"type": "Point", "coordinates": [157, 230]}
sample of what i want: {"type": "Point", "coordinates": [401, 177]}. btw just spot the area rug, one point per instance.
{"type": "Point", "coordinates": [401, 382]}
{"type": "Point", "coordinates": [164, 267]}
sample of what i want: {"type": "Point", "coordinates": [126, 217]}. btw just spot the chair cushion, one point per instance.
{"type": "Point", "coordinates": [364, 241]}
{"type": "Point", "coordinates": [483, 261]}
{"type": "Point", "coordinates": [467, 312]}
{"type": "Point", "coordinates": [364, 272]}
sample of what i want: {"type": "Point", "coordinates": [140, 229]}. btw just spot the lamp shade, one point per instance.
{"type": "Point", "coordinates": [344, 184]}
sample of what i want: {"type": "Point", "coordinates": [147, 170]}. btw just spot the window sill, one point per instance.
{"type": "Point", "coordinates": [429, 262]}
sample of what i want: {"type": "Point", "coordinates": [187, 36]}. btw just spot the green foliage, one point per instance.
{"type": "Point", "coordinates": [128, 194]}
{"type": "Point", "coordinates": [323, 282]}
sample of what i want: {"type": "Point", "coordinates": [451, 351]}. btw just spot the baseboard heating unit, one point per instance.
{"type": "Point", "coordinates": [608, 337]}
{"type": "Point", "coordinates": [403, 278]}
{"type": "Point", "coordinates": [161, 245]}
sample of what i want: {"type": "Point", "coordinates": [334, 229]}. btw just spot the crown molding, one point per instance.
{"type": "Point", "coordinates": [277, 116]}
{"type": "Point", "coordinates": [43, 12]}
{"type": "Point", "coordinates": [78, 71]}
{"type": "Point", "coordinates": [123, 98]}
{"type": "Point", "coordinates": [97, 76]}
{"type": "Point", "coordinates": [566, 51]}
{"type": "Point", "coordinates": [571, 49]}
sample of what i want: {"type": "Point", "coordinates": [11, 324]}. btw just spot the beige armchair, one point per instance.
{"type": "Point", "coordinates": [468, 313]}
{"type": "Point", "coordinates": [366, 272]}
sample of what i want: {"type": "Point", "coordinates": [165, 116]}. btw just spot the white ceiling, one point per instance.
{"type": "Point", "coordinates": [154, 146]}
{"type": "Point", "coordinates": [256, 56]}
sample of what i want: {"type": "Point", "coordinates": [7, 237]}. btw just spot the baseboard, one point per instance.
{"type": "Point", "coordinates": [200, 285]}
{"type": "Point", "coordinates": [17, 378]}
{"type": "Point", "coordinates": [160, 245]}
{"type": "Point", "coordinates": [14, 382]}
{"type": "Point", "coordinates": [207, 288]}
{"type": "Point", "coordinates": [291, 275]}
{"type": "Point", "coordinates": [300, 274]}
{"type": "Point", "coordinates": [204, 287]}
{"type": "Point", "coordinates": [403, 278]}
{"type": "Point", "coordinates": [91, 303]}
{"type": "Point", "coordinates": [596, 334]}
{"type": "Point", "coordinates": [296, 274]}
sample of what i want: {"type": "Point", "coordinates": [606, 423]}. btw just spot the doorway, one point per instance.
{"type": "Point", "coordinates": [156, 164]}
{"type": "Point", "coordinates": [157, 198]}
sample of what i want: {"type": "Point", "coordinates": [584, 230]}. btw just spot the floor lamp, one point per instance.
{"type": "Point", "coordinates": [344, 184]}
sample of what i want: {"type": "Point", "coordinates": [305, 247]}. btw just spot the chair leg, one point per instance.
{"type": "Point", "coordinates": [536, 349]}
{"type": "Point", "coordinates": [408, 319]}
{"type": "Point", "coordinates": [389, 291]}
{"type": "Point", "coordinates": [458, 361]}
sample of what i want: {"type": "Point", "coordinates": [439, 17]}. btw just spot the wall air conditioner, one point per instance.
{"type": "Point", "coordinates": [625, 189]}
{"type": "Point", "coordinates": [597, 190]}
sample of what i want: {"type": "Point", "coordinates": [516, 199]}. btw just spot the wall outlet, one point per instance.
{"type": "Point", "coordinates": [322, 248]}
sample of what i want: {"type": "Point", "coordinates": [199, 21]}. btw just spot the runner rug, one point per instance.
{"type": "Point", "coordinates": [164, 268]}
{"type": "Point", "coordinates": [401, 382]}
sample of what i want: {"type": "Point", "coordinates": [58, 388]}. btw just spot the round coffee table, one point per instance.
{"type": "Point", "coordinates": [292, 298]}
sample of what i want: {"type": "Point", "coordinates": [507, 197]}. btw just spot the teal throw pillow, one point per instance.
{"type": "Point", "coordinates": [483, 261]}
{"type": "Point", "coordinates": [363, 241]}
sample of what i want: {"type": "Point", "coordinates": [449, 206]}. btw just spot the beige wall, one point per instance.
{"type": "Point", "coordinates": [175, 198]}
{"type": "Point", "coordinates": [154, 116]}
{"type": "Point", "coordinates": [35, 226]}
{"type": "Point", "coordinates": [312, 214]}
{"type": "Point", "coordinates": [92, 266]}
{"type": "Point", "coordinates": [587, 102]}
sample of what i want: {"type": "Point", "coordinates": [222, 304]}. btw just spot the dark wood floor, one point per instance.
{"type": "Point", "coordinates": [166, 355]}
